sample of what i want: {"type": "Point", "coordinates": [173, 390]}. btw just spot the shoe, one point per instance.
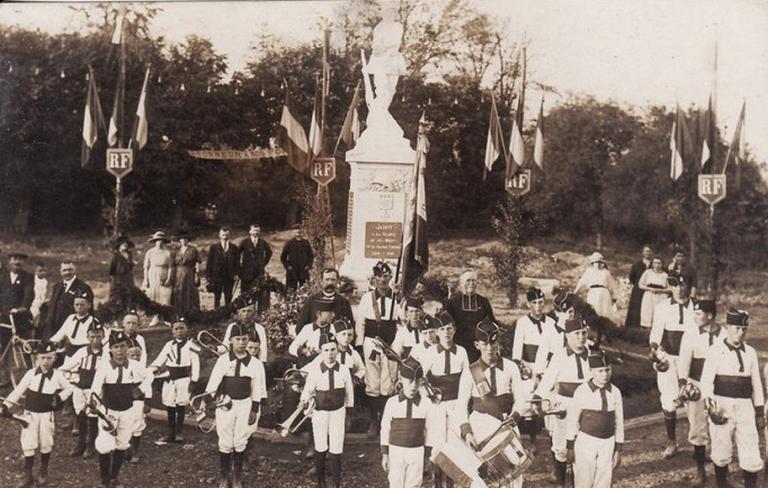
{"type": "Point", "coordinates": [236, 483]}
{"type": "Point", "coordinates": [168, 439]}
{"type": "Point", "coordinates": [699, 480]}
{"type": "Point", "coordinates": [88, 453]}
{"type": "Point", "coordinates": [179, 439]}
{"type": "Point", "coordinates": [670, 451]}
{"type": "Point", "coordinates": [115, 483]}
{"type": "Point", "coordinates": [308, 452]}
{"type": "Point", "coordinates": [135, 459]}
{"type": "Point", "coordinates": [75, 429]}
{"type": "Point", "coordinates": [224, 483]}
{"type": "Point", "coordinates": [26, 481]}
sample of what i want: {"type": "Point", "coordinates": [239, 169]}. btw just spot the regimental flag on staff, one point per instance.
{"type": "Point", "coordinates": [93, 118]}
{"type": "Point", "coordinates": [538, 144]}
{"type": "Point", "coordinates": [679, 144]}
{"type": "Point", "coordinates": [350, 130]}
{"type": "Point", "coordinates": [117, 111]}
{"type": "Point", "coordinates": [140, 126]}
{"type": "Point", "coordinates": [516, 146]}
{"type": "Point", "coordinates": [293, 138]}
{"type": "Point", "coordinates": [315, 131]}
{"type": "Point", "coordinates": [414, 260]}
{"type": "Point", "coordinates": [707, 127]}
{"type": "Point", "coordinates": [494, 143]}
{"type": "Point", "coordinates": [737, 149]}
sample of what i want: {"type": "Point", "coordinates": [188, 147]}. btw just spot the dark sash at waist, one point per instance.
{"type": "Point", "coordinates": [733, 386]}
{"type": "Point", "coordinates": [655, 286]}
{"type": "Point", "coordinates": [330, 400]}
{"type": "Point", "coordinates": [697, 366]}
{"type": "Point", "coordinates": [177, 372]}
{"type": "Point", "coordinates": [37, 402]}
{"type": "Point", "coordinates": [118, 396]}
{"type": "Point", "coordinates": [670, 341]}
{"type": "Point", "coordinates": [495, 406]}
{"type": "Point", "coordinates": [407, 432]}
{"type": "Point", "coordinates": [447, 383]}
{"type": "Point", "coordinates": [237, 387]}
{"type": "Point", "coordinates": [529, 352]}
{"type": "Point", "coordinates": [566, 388]}
{"type": "Point", "coordinates": [598, 423]}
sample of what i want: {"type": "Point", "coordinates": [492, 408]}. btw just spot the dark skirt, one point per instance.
{"type": "Point", "coordinates": [635, 305]}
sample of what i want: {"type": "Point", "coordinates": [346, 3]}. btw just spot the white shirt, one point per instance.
{"type": "Point", "coordinates": [189, 356]}
{"type": "Point", "coordinates": [131, 372]}
{"type": "Point", "coordinates": [260, 331]}
{"type": "Point", "coordinates": [32, 379]}
{"type": "Point", "coordinates": [589, 396]}
{"type": "Point", "coordinates": [723, 359]}
{"type": "Point", "coordinates": [75, 329]}
{"type": "Point", "coordinates": [670, 321]}
{"type": "Point", "coordinates": [41, 291]}
{"type": "Point", "coordinates": [531, 333]}
{"type": "Point", "coordinates": [248, 366]}
{"type": "Point", "coordinates": [318, 378]}
{"type": "Point", "coordinates": [309, 337]}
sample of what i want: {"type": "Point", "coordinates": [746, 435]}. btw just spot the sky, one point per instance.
{"type": "Point", "coordinates": [637, 52]}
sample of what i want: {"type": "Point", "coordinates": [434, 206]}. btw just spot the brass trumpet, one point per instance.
{"type": "Point", "coordinates": [294, 379]}
{"type": "Point", "coordinates": [211, 343]}
{"type": "Point", "coordinates": [16, 412]}
{"type": "Point", "coordinates": [433, 392]}
{"type": "Point", "coordinates": [297, 418]}
{"type": "Point", "coordinates": [96, 406]}
{"type": "Point", "coordinates": [199, 405]}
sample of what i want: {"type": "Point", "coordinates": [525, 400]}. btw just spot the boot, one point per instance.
{"type": "Point", "coordinates": [248, 447]}
{"type": "Point", "coordinates": [171, 413]}
{"type": "Point", "coordinates": [671, 450]}
{"type": "Point", "coordinates": [93, 430]}
{"type": "Point", "coordinates": [670, 423]}
{"type": "Point", "coordinates": [750, 479]}
{"type": "Point", "coordinates": [721, 476]}
{"type": "Point", "coordinates": [180, 413]}
{"type": "Point", "coordinates": [225, 465]}
{"type": "Point", "coordinates": [27, 481]}
{"type": "Point", "coordinates": [699, 455]}
{"type": "Point", "coordinates": [334, 465]}
{"type": "Point", "coordinates": [373, 410]}
{"type": "Point", "coordinates": [552, 476]}
{"type": "Point", "coordinates": [560, 470]}
{"type": "Point", "coordinates": [117, 462]}
{"type": "Point", "coordinates": [43, 478]}
{"type": "Point", "coordinates": [104, 463]}
{"type": "Point", "coordinates": [320, 468]}
{"type": "Point", "coordinates": [238, 470]}
{"type": "Point", "coordinates": [82, 422]}
{"type": "Point", "coordinates": [437, 475]}
{"type": "Point", "coordinates": [135, 445]}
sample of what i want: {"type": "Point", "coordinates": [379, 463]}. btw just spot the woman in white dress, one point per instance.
{"type": "Point", "coordinates": [600, 285]}
{"type": "Point", "coordinates": [158, 265]}
{"type": "Point", "coordinates": [654, 282]}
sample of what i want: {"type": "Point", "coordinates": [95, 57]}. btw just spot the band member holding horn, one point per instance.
{"type": "Point", "coordinates": [595, 423]}
{"type": "Point", "coordinates": [694, 348]}
{"type": "Point", "coordinates": [73, 333]}
{"type": "Point", "coordinates": [490, 391]}
{"type": "Point", "coordinates": [407, 429]}
{"type": "Point", "coordinates": [83, 365]}
{"type": "Point", "coordinates": [568, 369]}
{"type": "Point", "coordinates": [306, 345]}
{"type": "Point", "coordinates": [181, 358]}
{"type": "Point", "coordinates": [118, 382]}
{"type": "Point", "coordinates": [671, 319]}
{"type": "Point", "coordinates": [44, 390]}
{"type": "Point", "coordinates": [444, 366]}
{"type": "Point", "coordinates": [377, 317]}
{"type": "Point", "coordinates": [531, 332]}
{"type": "Point", "coordinates": [733, 392]}
{"type": "Point", "coordinates": [240, 377]}
{"type": "Point", "coordinates": [407, 334]}
{"type": "Point", "coordinates": [329, 386]}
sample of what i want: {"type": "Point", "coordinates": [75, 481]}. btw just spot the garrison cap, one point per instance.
{"type": "Point", "coordinates": [737, 317]}
{"type": "Point", "coordinates": [534, 294]}
{"type": "Point", "coordinates": [486, 331]}
{"type": "Point", "coordinates": [411, 369]}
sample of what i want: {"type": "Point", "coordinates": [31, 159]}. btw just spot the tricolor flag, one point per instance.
{"type": "Point", "coordinates": [415, 256]}
{"type": "Point", "coordinates": [350, 130]}
{"type": "Point", "coordinates": [293, 138]}
{"type": "Point", "coordinates": [538, 144]}
{"type": "Point", "coordinates": [516, 146]}
{"type": "Point", "coordinates": [93, 118]}
{"type": "Point", "coordinates": [707, 126]}
{"type": "Point", "coordinates": [115, 120]}
{"type": "Point", "coordinates": [117, 35]}
{"type": "Point", "coordinates": [141, 127]}
{"type": "Point", "coordinates": [315, 131]}
{"type": "Point", "coordinates": [679, 145]}
{"type": "Point", "coordinates": [494, 145]}
{"type": "Point", "coordinates": [737, 149]}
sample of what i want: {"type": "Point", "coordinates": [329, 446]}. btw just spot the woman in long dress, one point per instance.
{"type": "Point", "coordinates": [121, 272]}
{"type": "Point", "coordinates": [600, 285]}
{"type": "Point", "coordinates": [186, 280]}
{"type": "Point", "coordinates": [158, 267]}
{"type": "Point", "coordinates": [654, 283]}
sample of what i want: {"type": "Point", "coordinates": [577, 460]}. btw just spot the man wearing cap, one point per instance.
{"type": "Point", "coordinates": [345, 335]}
{"type": "Point", "coordinates": [595, 427]}
{"type": "Point", "coordinates": [180, 358]}
{"type": "Point", "coordinates": [377, 316]}
{"type": "Point", "coordinates": [329, 293]}
{"type": "Point", "coordinates": [531, 332]}
{"type": "Point", "coordinates": [429, 340]}
{"type": "Point", "coordinates": [63, 297]}
{"type": "Point", "coordinates": [255, 254]}
{"type": "Point", "coordinates": [239, 378]}
{"type": "Point", "coordinates": [306, 345]}
{"type": "Point", "coordinates": [222, 267]}
{"type": "Point", "coordinates": [731, 387]}
{"type": "Point", "coordinates": [74, 331]}
{"type": "Point", "coordinates": [407, 429]}
{"type": "Point", "coordinates": [568, 369]}
{"type": "Point", "coordinates": [330, 385]}
{"type": "Point", "coordinates": [694, 348]}
{"type": "Point", "coordinates": [467, 309]}
{"type": "Point", "coordinates": [679, 266]}
{"type": "Point", "coordinates": [407, 334]}
{"type": "Point", "coordinates": [297, 259]}
{"type": "Point", "coordinates": [118, 382]}
{"type": "Point", "coordinates": [490, 390]}
{"type": "Point", "coordinates": [553, 342]}
{"type": "Point", "coordinates": [671, 319]}
{"type": "Point", "coordinates": [83, 364]}
{"type": "Point", "coordinates": [43, 390]}
{"type": "Point", "coordinates": [246, 318]}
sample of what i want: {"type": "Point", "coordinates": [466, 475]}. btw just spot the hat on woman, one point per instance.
{"type": "Point", "coordinates": [183, 234]}
{"type": "Point", "coordinates": [159, 236]}
{"type": "Point", "coordinates": [596, 257]}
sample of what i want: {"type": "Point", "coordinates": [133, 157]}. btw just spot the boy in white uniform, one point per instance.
{"type": "Point", "coordinates": [135, 352]}
{"type": "Point", "coordinates": [429, 339]}
{"type": "Point", "coordinates": [73, 333]}
{"type": "Point", "coordinates": [245, 316]}
{"type": "Point", "coordinates": [408, 335]}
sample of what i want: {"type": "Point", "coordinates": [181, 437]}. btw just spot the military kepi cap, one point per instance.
{"type": "Point", "coordinates": [706, 306]}
{"type": "Point", "coordinates": [563, 301]}
{"type": "Point", "coordinates": [534, 294]}
{"type": "Point", "coordinates": [44, 347]}
{"type": "Point", "coordinates": [326, 339]}
{"type": "Point", "coordinates": [414, 302]}
{"type": "Point", "coordinates": [574, 324]}
{"type": "Point", "coordinates": [429, 322]}
{"type": "Point", "coordinates": [598, 360]}
{"type": "Point", "coordinates": [117, 337]}
{"type": "Point", "coordinates": [443, 318]}
{"type": "Point", "coordinates": [381, 268]}
{"type": "Point", "coordinates": [340, 325]}
{"type": "Point", "coordinates": [737, 317]}
{"type": "Point", "coordinates": [486, 331]}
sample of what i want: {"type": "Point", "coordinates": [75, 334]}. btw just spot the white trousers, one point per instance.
{"type": "Point", "coordinates": [120, 439]}
{"type": "Point", "coordinates": [141, 422]}
{"type": "Point", "coordinates": [232, 426]}
{"type": "Point", "coordinates": [328, 430]}
{"type": "Point", "coordinates": [698, 426]}
{"type": "Point", "coordinates": [80, 399]}
{"type": "Point", "coordinates": [176, 392]}
{"type": "Point", "coordinates": [559, 431]}
{"type": "Point", "coordinates": [483, 426]}
{"type": "Point", "coordinates": [380, 373]}
{"type": "Point", "coordinates": [39, 434]}
{"type": "Point", "coordinates": [406, 467]}
{"type": "Point", "coordinates": [593, 466]}
{"type": "Point", "coordinates": [668, 387]}
{"type": "Point", "coordinates": [740, 428]}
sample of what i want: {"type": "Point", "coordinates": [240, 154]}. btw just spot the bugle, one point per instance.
{"type": "Point", "coordinates": [199, 404]}
{"type": "Point", "coordinates": [15, 412]}
{"type": "Point", "coordinates": [211, 343]}
{"type": "Point", "coordinates": [297, 418]}
{"type": "Point", "coordinates": [433, 392]}
{"type": "Point", "coordinates": [96, 406]}
{"type": "Point", "coordinates": [30, 345]}
{"type": "Point", "coordinates": [294, 379]}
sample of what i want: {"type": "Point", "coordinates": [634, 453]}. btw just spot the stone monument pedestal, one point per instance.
{"type": "Point", "coordinates": [380, 179]}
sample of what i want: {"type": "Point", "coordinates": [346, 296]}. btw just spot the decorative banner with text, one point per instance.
{"type": "Point", "coordinates": [232, 154]}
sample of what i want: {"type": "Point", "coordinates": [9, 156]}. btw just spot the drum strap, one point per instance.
{"type": "Point", "coordinates": [483, 388]}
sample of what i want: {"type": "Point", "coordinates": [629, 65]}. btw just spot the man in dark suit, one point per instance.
{"type": "Point", "coordinates": [467, 309]}
{"type": "Point", "coordinates": [636, 297]}
{"type": "Point", "coordinates": [17, 291]}
{"type": "Point", "coordinates": [222, 268]}
{"type": "Point", "coordinates": [63, 296]}
{"type": "Point", "coordinates": [341, 307]}
{"type": "Point", "coordinates": [297, 258]}
{"type": "Point", "coordinates": [255, 253]}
